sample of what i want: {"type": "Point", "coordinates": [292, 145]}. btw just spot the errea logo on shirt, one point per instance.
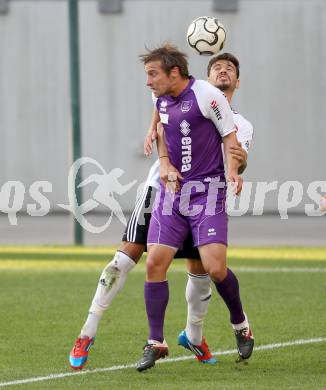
{"type": "Point", "coordinates": [211, 232]}
{"type": "Point", "coordinates": [185, 146]}
{"type": "Point", "coordinates": [163, 105]}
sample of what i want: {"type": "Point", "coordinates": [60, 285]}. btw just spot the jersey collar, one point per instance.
{"type": "Point", "coordinates": [185, 91]}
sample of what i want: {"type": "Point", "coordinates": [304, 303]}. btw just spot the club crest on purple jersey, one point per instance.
{"type": "Point", "coordinates": [186, 105]}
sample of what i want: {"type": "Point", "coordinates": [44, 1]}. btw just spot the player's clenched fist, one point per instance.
{"type": "Point", "coordinates": [169, 175]}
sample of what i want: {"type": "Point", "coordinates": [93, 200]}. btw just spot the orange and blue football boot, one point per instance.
{"type": "Point", "coordinates": [201, 352]}
{"type": "Point", "coordinates": [79, 353]}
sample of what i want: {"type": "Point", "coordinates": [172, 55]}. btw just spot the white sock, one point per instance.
{"type": "Point", "coordinates": [198, 293]}
{"type": "Point", "coordinates": [111, 282]}
{"type": "Point", "coordinates": [242, 325]}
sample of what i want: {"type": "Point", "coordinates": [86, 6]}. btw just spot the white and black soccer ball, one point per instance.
{"type": "Point", "coordinates": [206, 35]}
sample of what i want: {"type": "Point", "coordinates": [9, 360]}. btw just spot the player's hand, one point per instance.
{"type": "Point", "coordinates": [238, 153]}
{"type": "Point", "coordinates": [149, 140]}
{"type": "Point", "coordinates": [169, 175]}
{"type": "Point", "coordinates": [236, 182]}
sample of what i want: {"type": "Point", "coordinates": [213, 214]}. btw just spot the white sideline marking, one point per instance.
{"type": "Point", "coordinates": [171, 360]}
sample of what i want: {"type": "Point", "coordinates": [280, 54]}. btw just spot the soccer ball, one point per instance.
{"type": "Point", "coordinates": [206, 35]}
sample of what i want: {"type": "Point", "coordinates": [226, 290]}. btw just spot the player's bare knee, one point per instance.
{"type": "Point", "coordinates": [153, 264]}
{"type": "Point", "coordinates": [155, 269]}
{"type": "Point", "coordinates": [132, 249]}
{"type": "Point", "coordinates": [217, 272]}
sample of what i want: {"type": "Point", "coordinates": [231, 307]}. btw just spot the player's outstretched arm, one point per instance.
{"type": "Point", "coordinates": [233, 164]}
{"type": "Point", "coordinates": [151, 135]}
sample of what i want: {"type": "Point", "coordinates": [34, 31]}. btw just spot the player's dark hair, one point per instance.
{"type": "Point", "coordinates": [226, 57]}
{"type": "Point", "coordinates": [170, 57]}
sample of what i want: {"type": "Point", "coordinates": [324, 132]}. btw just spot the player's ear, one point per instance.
{"type": "Point", "coordinates": [175, 71]}
{"type": "Point", "coordinates": [237, 84]}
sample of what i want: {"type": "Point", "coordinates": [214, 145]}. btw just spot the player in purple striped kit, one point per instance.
{"type": "Point", "coordinates": [223, 72]}
{"type": "Point", "coordinates": [197, 119]}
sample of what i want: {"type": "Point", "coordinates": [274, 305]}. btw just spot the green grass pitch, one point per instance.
{"type": "Point", "coordinates": [45, 293]}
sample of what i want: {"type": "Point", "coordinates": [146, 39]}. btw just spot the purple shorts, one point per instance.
{"type": "Point", "coordinates": [174, 215]}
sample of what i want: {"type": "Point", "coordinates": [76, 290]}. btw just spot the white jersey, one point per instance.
{"type": "Point", "coordinates": [245, 130]}
{"type": "Point", "coordinates": [244, 135]}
